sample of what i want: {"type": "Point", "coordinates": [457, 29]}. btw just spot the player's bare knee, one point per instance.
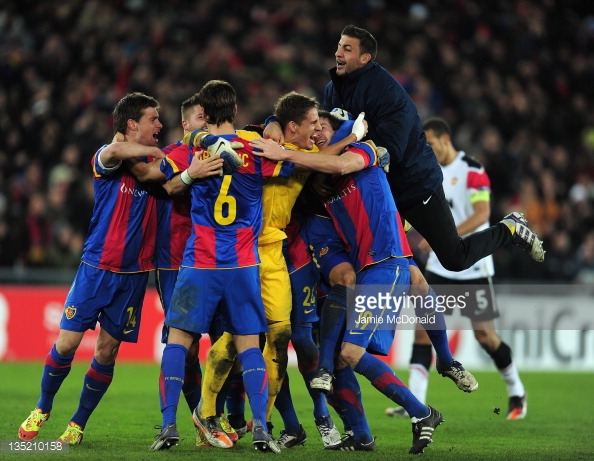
{"type": "Point", "coordinates": [418, 284]}
{"type": "Point", "coordinates": [351, 354]}
{"type": "Point", "coordinates": [343, 274]}
{"type": "Point", "coordinates": [487, 339]}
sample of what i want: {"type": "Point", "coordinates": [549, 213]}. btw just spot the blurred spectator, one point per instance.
{"type": "Point", "coordinates": [585, 260]}
{"type": "Point", "coordinates": [514, 77]}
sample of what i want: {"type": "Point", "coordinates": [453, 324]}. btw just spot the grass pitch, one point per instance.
{"type": "Point", "coordinates": [558, 425]}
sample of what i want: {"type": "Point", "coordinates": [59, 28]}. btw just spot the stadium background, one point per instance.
{"type": "Point", "coordinates": [513, 78]}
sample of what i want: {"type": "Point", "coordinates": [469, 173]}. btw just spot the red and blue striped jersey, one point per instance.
{"type": "Point", "coordinates": [365, 214]}
{"type": "Point", "coordinates": [297, 251]}
{"type": "Point", "coordinates": [121, 236]}
{"type": "Point", "coordinates": [226, 211]}
{"type": "Point", "coordinates": [174, 225]}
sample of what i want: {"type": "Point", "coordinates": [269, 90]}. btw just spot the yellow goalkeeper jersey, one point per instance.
{"type": "Point", "coordinates": [279, 196]}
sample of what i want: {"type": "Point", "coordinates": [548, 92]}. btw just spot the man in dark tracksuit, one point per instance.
{"type": "Point", "coordinates": [359, 84]}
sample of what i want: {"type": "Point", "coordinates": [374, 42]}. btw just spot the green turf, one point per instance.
{"type": "Point", "coordinates": [558, 426]}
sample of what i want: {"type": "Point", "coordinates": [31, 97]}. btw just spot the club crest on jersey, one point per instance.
{"type": "Point", "coordinates": [454, 181]}
{"type": "Point", "coordinates": [70, 312]}
{"type": "Point", "coordinates": [324, 251]}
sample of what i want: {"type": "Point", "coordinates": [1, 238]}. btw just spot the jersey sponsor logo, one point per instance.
{"type": "Point", "coordinates": [70, 312]}
{"type": "Point", "coordinates": [343, 193]}
{"type": "Point", "coordinates": [132, 191]}
{"type": "Point", "coordinates": [355, 332]}
{"type": "Point", "coordinates": [128, 331]}
{"type": "Point", "coordinates": [425, 202]}
{"type": "Point", "coordinates": [308, 311]}
{"type": "Point", "coordinates": [57, 374]}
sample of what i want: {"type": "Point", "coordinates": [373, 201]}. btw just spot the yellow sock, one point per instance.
{"type": "Point", "coordinates": [276, 358]}
{"type": "Point", "coordinates": [218, 365]}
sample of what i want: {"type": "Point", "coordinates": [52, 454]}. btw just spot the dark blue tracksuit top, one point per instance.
{"type": "Point", "coordinates": [394, 124]}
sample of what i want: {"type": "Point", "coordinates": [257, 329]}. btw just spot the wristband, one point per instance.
{"type": "Point", "coordinates": [186, 178]}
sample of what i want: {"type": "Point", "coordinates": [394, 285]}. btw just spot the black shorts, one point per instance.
{"type": "Point", "coordinates": [479, 300]}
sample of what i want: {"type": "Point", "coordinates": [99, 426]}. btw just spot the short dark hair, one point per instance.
{"type": "Point", "coordinates": [438, 125]}
{"type": "Point", "coordinates": [218, 99]}
{"type": "Point", "coordinates": [335, 122]}
{"type": "Point", "coordinates": [293, 107]}
{"type": "Point", "coordinates": [187, 104]}
{"type": "Point", "coordinates": [131, 107]}
{"type": "Point", "coordinates": [368, 43]}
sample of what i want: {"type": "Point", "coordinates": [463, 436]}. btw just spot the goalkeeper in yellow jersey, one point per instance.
{"type": "Point", "coordinates": [298, 115]}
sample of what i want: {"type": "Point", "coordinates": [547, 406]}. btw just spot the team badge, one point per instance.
{"type": "Point", "coordinates": [323, 251]}
{"type": "Point", "coordinates": [70, 312]}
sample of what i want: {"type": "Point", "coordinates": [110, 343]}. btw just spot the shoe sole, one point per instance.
{"type": "Point", "coordinates": [26, 435]}
{"type": "Point", "coordinates": [321, 386]}
{"type": "Point", "coordinates": [165, 444]}
{"type": "Point", "coordinates": [267, 447]}
{"type": "Point", "coordinates": [463, 387]}
{"type": "Point", "coordinates": [523, 232]}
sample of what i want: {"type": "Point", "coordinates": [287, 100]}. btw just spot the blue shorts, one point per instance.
{"type": "Point", "coordinates": [378, 340]}
{"type": "Point", "coordinates": [165, 283]}
{"type": "Point", "coordinates": [202, 293]}
{"type": "Point", "coordinates": [304, 291]}
{"type": "Point", "coordinates": [110, 298]}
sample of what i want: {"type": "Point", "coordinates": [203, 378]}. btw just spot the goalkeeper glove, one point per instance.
{"type": "Point", "coordinates": [341, 114]}
{"type": "Point", "coordinates": [383, 157]}
{"type": "Point", "coordinates": [359, 128]}
{"type": "Point", "coordinates": [382, 154]}
{"type": "Point", "coordinates": [226, 150]}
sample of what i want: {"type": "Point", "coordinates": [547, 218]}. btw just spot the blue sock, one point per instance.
{"type": "Point", "coordinates": [307, 361]}
{"type": "Point", "coordinates": [383, 378]}
{"type": "Point", "coordinates": [171, 381]}
{"type": "Point", "coordinates": [255, 380]}
{"type": "Point", "coordinates": [235, 401]}
{"type": "Point", "coordinates": [335, 404]}
{"type": "Point", "coordinates": [332, 325]}
{"type": "Point", "coordinates": [437, 332]}
{"type": "Point", "coordinates": [192, 384]}
{"type": "Point", "coordinates": [347, 397]}
{"type": "Point", "coordinates": [285, 407]}
{"type": "Point", "coordinates": [95, 385]}
{"type": "Point", "coordinates": [55, 370]}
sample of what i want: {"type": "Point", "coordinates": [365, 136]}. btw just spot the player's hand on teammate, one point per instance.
{"type": "Point", "coordinates": [118, 137]}
{"type": "Point", "coordinates": [211, 166]}
{"type": "Point", "coordinates": [273, 131]}
{"type": "Point", "coordinates": [268, 148]}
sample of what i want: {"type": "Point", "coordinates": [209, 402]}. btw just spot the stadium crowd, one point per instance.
{"type": "Point", "coordinates": [513, 80]}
